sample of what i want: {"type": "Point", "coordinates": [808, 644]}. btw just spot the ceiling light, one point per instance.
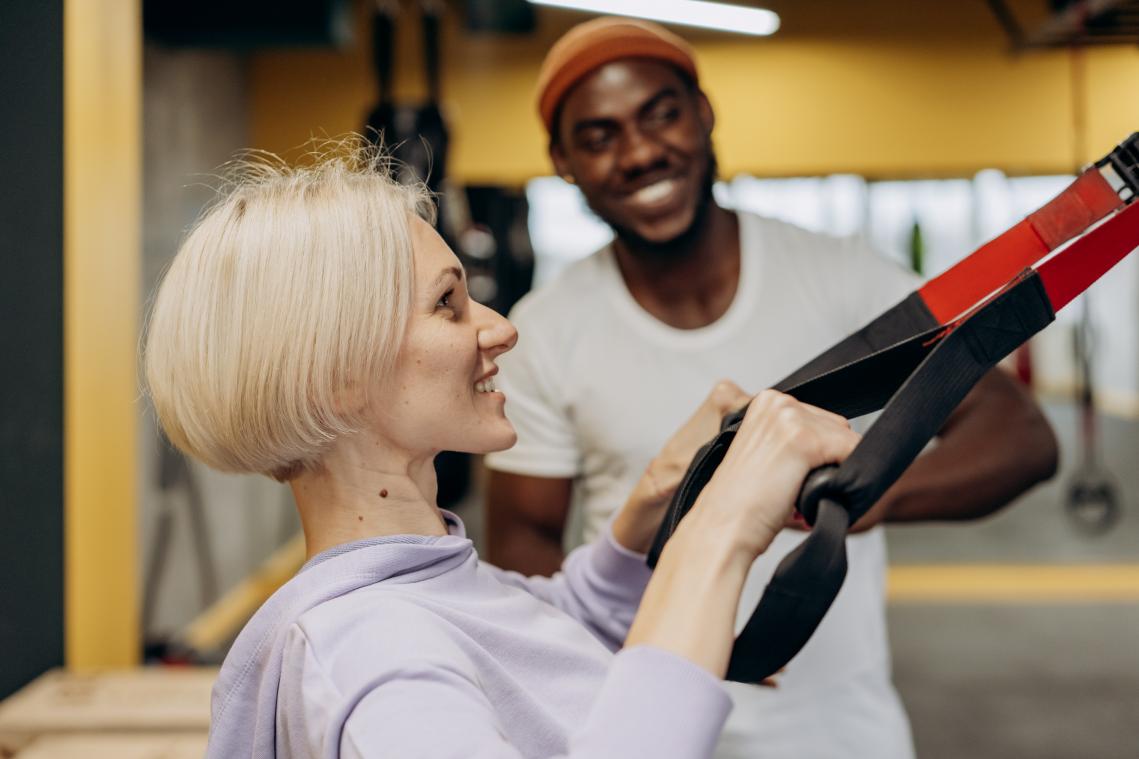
{"type": "Point", "coordinates": [707, 15]}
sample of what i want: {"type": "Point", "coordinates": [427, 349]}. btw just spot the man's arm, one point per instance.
{"type": "Point", "coordinates": [525, 520]}
{"type": "Point", "coordinates": [995, 446]}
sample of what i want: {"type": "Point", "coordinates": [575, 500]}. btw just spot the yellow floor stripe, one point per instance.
{"type": "Point", "coordinates": [1005, 583]}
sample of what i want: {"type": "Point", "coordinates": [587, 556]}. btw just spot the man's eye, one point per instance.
{"type": "Point", "coordinates": [595, 141]}
{"type": "Point", "coordinates": [664, 115]}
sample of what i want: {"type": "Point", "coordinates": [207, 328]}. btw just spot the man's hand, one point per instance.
{"type": "Point", "coordinates": [640, 517]}
{"type": "Point", "coordinates": [668, 467]}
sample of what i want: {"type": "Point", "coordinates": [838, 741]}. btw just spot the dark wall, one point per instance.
{"type": "Point", "coordinates": [31, 340]}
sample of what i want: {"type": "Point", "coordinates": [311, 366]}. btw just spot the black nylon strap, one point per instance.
{"type": "Point", "coordinates": [802, 589]}
{"type": "Point", "coordinates": [920, 381]}
{"type": "Point", "coordinates": [923, 404]}
{"type": "Point", "coordinates": [905, 319]}
{"type": "Point", "coordinates": [855, 376]}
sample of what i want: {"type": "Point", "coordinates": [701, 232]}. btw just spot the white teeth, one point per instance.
{"type": "Point", "coordinates": [654, 192]}
{"type": "Point", "coordinates": [485, 386]}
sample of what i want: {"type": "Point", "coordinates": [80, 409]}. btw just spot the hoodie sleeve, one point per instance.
{"type": "Point", "coordinates": [600, 585]}
{"type": "Point", "coordinates": [652, 703]}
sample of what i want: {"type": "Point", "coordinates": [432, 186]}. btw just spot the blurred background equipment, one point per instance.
{"type": "Point", "coordinates": [1092, 498]}
{"type": "Point", "coordinates": [500, 16]}
{"type": "Point", "coordinates": [415, 135]}
{"type": "Point", "coordinates": [248, 24]}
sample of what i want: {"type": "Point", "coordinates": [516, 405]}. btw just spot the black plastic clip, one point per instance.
{"type": "Point", "coordinates": [1122, 163]}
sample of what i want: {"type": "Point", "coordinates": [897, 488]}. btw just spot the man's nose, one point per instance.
{"type": "Point", "coordinates": [639, 152]}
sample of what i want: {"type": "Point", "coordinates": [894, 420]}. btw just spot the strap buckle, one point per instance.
{"type": "Point", "coordinates": [1120, 168]}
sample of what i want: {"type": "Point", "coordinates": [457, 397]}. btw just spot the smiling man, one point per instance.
{"type": "Point", "coordinates": [614, 355]}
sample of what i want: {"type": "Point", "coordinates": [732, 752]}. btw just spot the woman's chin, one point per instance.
{"type": "Point", "coordinates": [492, 441]}
{"type": "Point", "coordinates": [505, 440]}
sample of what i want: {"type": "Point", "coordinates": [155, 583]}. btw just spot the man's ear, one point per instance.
{"type": "Point", "coordinates": [561, 163]}
{"type": "Point", "coordinates": [704, 109]}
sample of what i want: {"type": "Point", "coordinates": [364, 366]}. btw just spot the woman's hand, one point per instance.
{"type": "Point", "coordinates": [752, 494]}
{"type": "Point", "coordinates": [689, 606]}
{"type": "Point", "coordinates": [638, 521]}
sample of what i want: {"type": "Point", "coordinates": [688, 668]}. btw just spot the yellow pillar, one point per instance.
{"type": "Point", "coordinates": [102, 176]}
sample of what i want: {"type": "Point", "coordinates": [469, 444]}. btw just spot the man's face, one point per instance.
{"type": "Point", "coordinates": [635, 137]}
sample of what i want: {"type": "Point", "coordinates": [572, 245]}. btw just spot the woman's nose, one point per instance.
{"type": "Point", "coordinates": [496, 334]}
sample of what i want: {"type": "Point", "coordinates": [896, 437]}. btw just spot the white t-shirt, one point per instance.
{"type": "Point", "coordinates": [595, 387]}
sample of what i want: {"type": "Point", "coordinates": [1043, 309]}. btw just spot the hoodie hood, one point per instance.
{"type": "Point", "coordinates": [244, 702]}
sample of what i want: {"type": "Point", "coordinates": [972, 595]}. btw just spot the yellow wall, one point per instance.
{"type": "Point", "coordinates": [879, 87]}
{"type": "Point", "coordinates": [102, 155]}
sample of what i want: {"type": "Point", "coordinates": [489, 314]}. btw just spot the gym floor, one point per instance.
{"type": "Point", "coordinates": [1056, 677]}
{"type": "Point", "coordinates": [992, 674]}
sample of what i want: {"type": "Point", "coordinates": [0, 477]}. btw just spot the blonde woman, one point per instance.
{"type": "Point", "coordinates": [314, 328]}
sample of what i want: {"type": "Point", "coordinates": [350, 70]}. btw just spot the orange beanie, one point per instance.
{"type": "Point", "coordinates": [603, 40]}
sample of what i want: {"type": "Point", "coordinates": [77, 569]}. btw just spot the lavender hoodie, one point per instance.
{"type": "Point", "coordinates": [409, 646]}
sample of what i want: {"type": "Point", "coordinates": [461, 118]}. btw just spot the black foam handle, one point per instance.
{"type": "Point", "coordinates": [820, 483]}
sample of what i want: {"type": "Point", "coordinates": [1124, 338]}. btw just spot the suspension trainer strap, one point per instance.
{"type": "Point", "coordinates": [1086, 201]}
{"type": "Point", "coordinates": [919, 381]}
{"type": "Point", "coordinates": [1103, 188]}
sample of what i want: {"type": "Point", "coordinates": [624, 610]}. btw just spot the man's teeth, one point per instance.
{"type": "Point", "coordinates": [486, 386]}
{"type": "Point", "coordinates": [654, 192]}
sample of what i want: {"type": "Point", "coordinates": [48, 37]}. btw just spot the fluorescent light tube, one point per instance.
{"type": "Point", "coordinates": [706, 15]}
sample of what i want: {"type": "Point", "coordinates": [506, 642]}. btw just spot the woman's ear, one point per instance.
{"type": "Point", "coordinates": [350, 400]}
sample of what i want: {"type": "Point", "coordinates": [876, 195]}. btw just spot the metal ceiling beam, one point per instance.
{"type": "Point", "coordinates": [1090, 22]}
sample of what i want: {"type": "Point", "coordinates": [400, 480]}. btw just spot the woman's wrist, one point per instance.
{"type": "Point", "coordinates": [718, 539]}
{"type": "Point", "coordinates": [690, 604]}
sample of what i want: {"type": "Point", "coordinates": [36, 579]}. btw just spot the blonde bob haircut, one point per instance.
{"type": "Point", "coordinates": [287, 300]}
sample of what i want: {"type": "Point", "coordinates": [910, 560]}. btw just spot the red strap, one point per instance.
{"type": "Point", "coordinates": [1074, 269]}
{"type": "Point", "coordinates": [1087, 200]}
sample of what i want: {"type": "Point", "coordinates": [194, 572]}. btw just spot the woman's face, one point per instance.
{"type": "Point", "coordinates": [440, 394]}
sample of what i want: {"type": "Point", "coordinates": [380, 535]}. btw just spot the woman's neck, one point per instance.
{"type": "Point", "coordinates": [365, 489]}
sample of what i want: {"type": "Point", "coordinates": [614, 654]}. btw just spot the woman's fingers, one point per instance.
{"type": "Point", "coordinates": [824, 414]}
{"type": "Point", "coordinates": [820, 435]}
{"type": "Point", "coordinates": [778, 443]}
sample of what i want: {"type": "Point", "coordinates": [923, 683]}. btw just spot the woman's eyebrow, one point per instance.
{"type": "Point", "coordinates": [453, 271]}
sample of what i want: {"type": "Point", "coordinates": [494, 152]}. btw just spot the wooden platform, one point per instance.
{"type": "Point", "coordinates": [153, 712]}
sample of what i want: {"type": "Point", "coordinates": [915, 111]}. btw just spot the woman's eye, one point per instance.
{"type": "Point", "coordinates": [445, 300]}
